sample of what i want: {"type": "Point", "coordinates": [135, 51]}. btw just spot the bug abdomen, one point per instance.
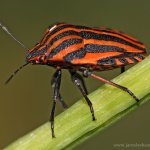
{"type": "Point", "coordinates": [108, 48]}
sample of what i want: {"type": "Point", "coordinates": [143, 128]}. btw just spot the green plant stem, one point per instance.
{"type": "Point", "coordinates": [75, 125]}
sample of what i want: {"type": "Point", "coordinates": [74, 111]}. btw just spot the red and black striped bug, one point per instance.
{"type": "Point", "coordinates": [83, 49]}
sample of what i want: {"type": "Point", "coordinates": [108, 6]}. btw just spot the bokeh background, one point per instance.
{"type": "Point", "coordinates": [25, 103]}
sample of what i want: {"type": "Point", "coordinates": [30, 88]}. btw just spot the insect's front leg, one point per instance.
{"type": "Point", "coordinates": [55, 82]}
{"type": "Point", "coordinates": [77, 81]}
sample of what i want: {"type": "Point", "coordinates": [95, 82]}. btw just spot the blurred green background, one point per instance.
{"type": "Point", "coordinates": [25, 103]}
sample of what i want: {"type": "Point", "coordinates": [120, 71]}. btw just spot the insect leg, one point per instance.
{"type": "Point", "coordinates": [82, 82]}
{"type": "Point", "coordinates": [115, 85]}
{"type": "Point", "coordinates": [65, 106]}
{"type": "Point", "coordinates": [122, 69]}
{"type": "Point", "coordinates": [56, 85]}
{"type": "Point", "coordinates": [53, 82]}
{"type": "Point", "coordinates": [77, 82]}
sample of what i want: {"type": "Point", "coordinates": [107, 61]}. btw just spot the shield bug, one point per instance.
{"type": "Point", "coordinates": [82, 49]}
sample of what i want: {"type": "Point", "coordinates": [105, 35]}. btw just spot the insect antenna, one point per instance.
{"type": "Point", "coordinates": [4, 28]}
{"type": "Point", "coordinates": [15, 72]}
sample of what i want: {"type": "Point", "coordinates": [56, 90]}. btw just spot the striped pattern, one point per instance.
{"type": "Point", "coordinates": [80, 45]}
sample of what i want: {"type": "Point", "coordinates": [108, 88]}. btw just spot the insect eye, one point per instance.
{"type": "Point", "coordinates": [41, 58]}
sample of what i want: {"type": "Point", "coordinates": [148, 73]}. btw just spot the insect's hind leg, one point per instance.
{"type": "Point", "coordinates": [76, 80]}
{"type": "Point", "coordinates": [55, 82]}
{"type": "Point", "coordinates": [115, 85]}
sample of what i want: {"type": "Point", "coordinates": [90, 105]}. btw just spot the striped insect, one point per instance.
{"type": "Point", "coordinates": [83, 49]}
